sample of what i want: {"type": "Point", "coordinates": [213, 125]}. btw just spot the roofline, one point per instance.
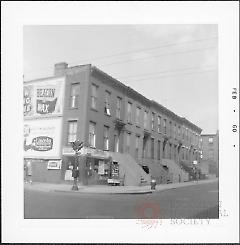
{"type": "Point", "coordinates": [42, 79]}
{"type": "Point", "coordinates": [151, 102]}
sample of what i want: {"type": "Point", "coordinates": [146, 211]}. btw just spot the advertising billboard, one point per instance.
{"type": "Point", "coordinates": [45, 97]}
{"type": "Point", "coordinates": [42, 138]}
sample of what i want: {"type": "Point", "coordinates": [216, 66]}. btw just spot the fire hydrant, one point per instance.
{"type": "Point", "coordinates": [153, 184]}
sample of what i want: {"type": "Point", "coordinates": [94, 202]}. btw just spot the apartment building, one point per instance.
{"type": "Point", "coordinates": [210, 152]}
{"type": "Point", "coordinates": [110, 117]}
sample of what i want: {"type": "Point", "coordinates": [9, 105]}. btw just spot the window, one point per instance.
{"type": "Point", "coordinates": [175, 131]}
{"type": "Point", "coordinates": [116, 143]}
{"type": "Point", "coordinates": [165, 126]}
{"type": "Point", "coordinates": [138, 116]}
{"type": "Point", "coordinates": [187, 134]}
{"type": "Point", "coordinates": [119, 105]}
{"type": "Point", "coordinates": [92, 134]}
{"type": "Point", "coordinates": [159, 124]}
{"type": "Point", "coordinates": [145, 119]}
{"type": "Point", "coordinates": [107, 103]}
{"type": "Point", "coordinates": [179, 132]}
{"type": "Point", "coordinates": [170, 128]}
{"type": "Point", "coordinates": [128, 142]}
{"type": "Point", "coordinates": [211, 154]}
{"type": "Point", "coordinates": [210, 140]}
{"type": "Point", "coordinates": [94, 96]}
{"type": "Point", "coordinates": [153, 119]}
{"type": "Point", "coordinates": [152, 148]}
{"type": "Point", "coordinates": [72, 131]}
{"type": "Point", "coordinates": [106, 138]}
{"type": "Point", "coordinates": [129, 112]}
{"type": "Point", "coordinates": [137, 146]}
{"type": "Point", "coordinates": [183, 133]}
{"type": "Point", "coordinates": [159, 150]}
{"type": "Point", "coordinates": [74, 95]}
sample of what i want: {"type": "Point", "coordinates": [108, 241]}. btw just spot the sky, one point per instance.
{"type": "Point", "coordinates": [175, 65]}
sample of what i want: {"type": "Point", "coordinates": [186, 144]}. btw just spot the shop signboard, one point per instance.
{"type": "Point", "coordinates": [42, 138]}
{"type": "Point", "coordinates": [56, 164]}
{"type": "Point", "coordinates": [43, 98]}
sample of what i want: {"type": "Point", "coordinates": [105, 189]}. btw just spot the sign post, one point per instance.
{"type": "Point", "coordinates": [77, 146]}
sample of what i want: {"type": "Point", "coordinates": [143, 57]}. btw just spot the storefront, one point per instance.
{"type": "Point", "coordinates": [96, 167]}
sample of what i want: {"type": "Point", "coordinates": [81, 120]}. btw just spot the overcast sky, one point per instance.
{"type": "Point", "coordinates": [175, 65]}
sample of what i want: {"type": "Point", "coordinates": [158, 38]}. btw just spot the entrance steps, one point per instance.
{"type": "Point", "coordinates": [130, 171]}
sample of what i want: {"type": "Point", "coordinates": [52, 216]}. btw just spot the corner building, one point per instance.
{"type": "Point", "coordinates": [114, 120]}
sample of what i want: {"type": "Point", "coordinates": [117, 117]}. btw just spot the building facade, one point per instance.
{"type": "Point", "coordinates": [210, 152]}
{"type": "Point", "coordinates": [110, 117]}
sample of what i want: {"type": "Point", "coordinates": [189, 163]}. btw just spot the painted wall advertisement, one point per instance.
{"type": "Point", "coordinates": [43, 98]}
{"type": "Point", "coordinates": [42, 138]}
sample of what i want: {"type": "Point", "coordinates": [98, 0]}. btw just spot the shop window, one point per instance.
{"type": "Point", "coordinates": [106, 138]}
{"type": "Point", "coordinates": [74, 95]}
{"type": "Point", "coordinates": [107, 103]}
{"type": "Point", "coordinates": [92, 134]}
{"type": "Point", "coordinates": [72, 131]}
{"type": "Point", "coordinates": [119, 105]}
{"type": "Point", "coordinates": [94, 96]}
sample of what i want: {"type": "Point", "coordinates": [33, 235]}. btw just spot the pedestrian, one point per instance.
{"type": "Point", "coordinates": [29, 172]}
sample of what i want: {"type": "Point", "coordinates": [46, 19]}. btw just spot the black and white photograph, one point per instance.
{"type": "Point", "coordinates": [138, 116]}
{"type": "Point", "coordinates": [121, 124]}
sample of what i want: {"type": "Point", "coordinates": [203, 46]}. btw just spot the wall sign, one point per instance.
{"type": "Point", "coordinates": [54, 164]}
{"type": "Point", "coordinates": [43, 98]}
{"type": "Point", "coordinates": [42, 137]}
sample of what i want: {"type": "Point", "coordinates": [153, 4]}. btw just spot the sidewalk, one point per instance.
{"type": "Point", "coordinates": [102, 189]}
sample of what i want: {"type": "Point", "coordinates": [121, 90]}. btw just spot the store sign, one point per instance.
{"type": "Point", "coordinates": [54, 164]}
{"type": "Point", "coordinates": [43, 98]}
{"type": "Point", "coordinates": [86, 150]}
{"type": "Point", "coordinates": [42, 138]}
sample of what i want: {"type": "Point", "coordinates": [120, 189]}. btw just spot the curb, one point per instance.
{"type": "Point", "coordinates": [116, 192]}
{"type": "Point", "coordinates": [108, 193]}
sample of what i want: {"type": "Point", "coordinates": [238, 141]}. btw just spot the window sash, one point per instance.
{"type": "Point", "coordinates": [138, 116]}
{"type": "Point", "coordinates": [129, 112]}
{"type": "Point", "coordinates": [92, 135]}
{"type": "Point", "coordinates": [118, 110]}
{"type": "Point", "coordinates": [72, 131]}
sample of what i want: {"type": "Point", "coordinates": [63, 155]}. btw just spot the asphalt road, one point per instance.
{"type": "Point", "coordinates": [199, 201]}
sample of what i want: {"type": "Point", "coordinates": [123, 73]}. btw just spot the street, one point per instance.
{"type": "Point", "coordinates": [198, 201]}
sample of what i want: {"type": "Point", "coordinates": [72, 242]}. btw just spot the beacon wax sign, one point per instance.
{"type": "Point", "coordinates": [43, 98]}
{"type": "Point", "coordinates": [42, 138]}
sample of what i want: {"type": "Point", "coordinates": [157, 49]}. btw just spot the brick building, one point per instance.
{"type": "Point", "coordinates": [111, 119]}
{"type": "Point", "coordinates": [210, 152]}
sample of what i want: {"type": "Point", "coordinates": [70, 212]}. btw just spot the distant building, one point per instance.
{"type": "Point", "coordinates": [112, 119]}
{"type": "Point", "coordinates": [210, 151]}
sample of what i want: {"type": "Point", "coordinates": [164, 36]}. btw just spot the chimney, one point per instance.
{"type": "Point", "coordinates": [60, 68]}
